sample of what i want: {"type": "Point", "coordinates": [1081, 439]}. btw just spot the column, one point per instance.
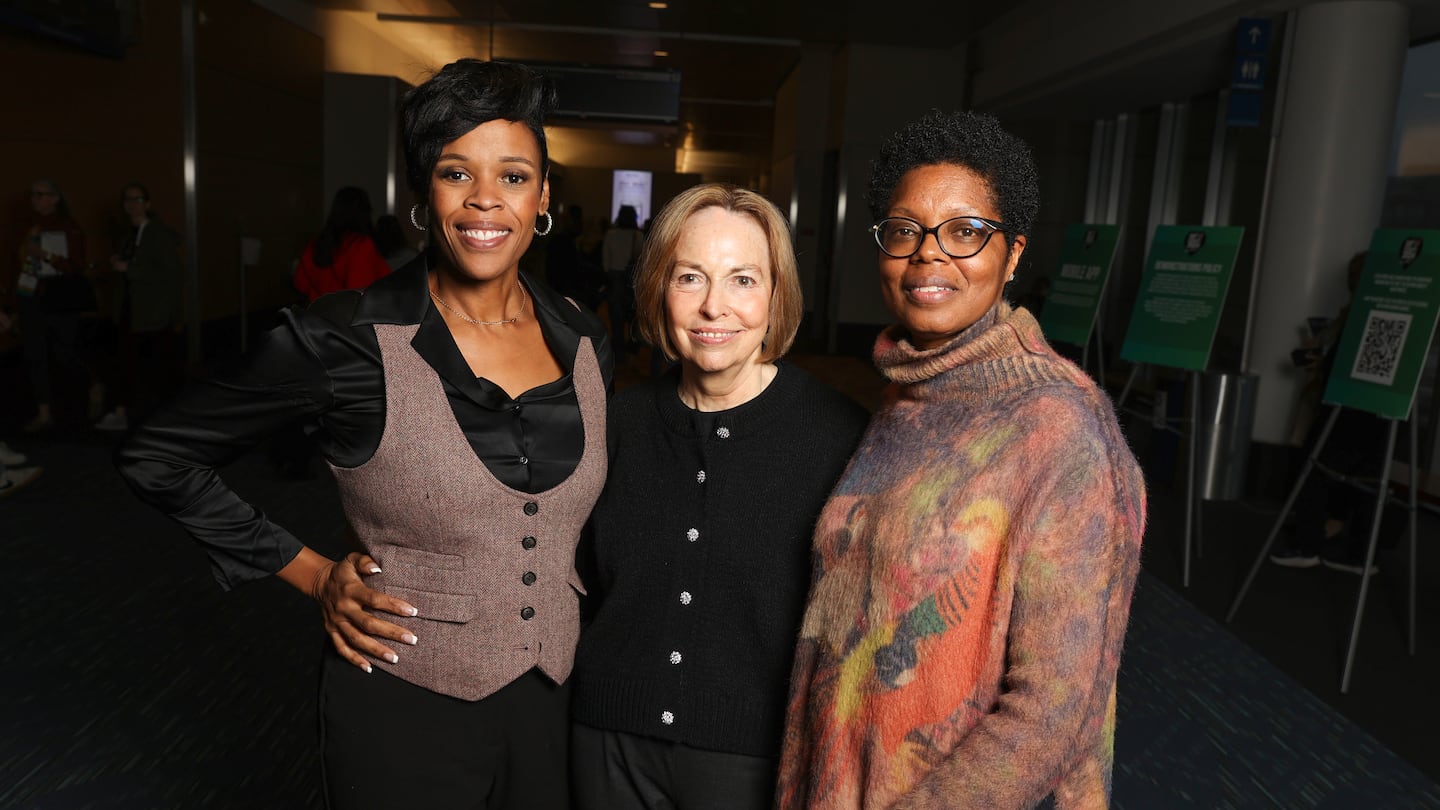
{"type": "Point", "coordinates": [1333, 127]}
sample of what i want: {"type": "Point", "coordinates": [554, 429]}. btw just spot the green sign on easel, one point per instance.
{"type": "Point", "coordinates": [1391, 322]}
{"type": "Point", "coordinates": [1181, 296]}
{"type": "Point", "coordinates": [1075, 292]}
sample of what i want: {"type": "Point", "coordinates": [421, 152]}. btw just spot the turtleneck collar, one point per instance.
{"type": "Point", "coordinates": [1003, 350]}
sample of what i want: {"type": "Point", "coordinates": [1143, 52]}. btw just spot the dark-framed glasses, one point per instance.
{"type": "Point", "coordinates": [960, 237]}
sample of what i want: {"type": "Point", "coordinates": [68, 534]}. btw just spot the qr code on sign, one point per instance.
{"type": "Point", "coordinates": [1380, 347]}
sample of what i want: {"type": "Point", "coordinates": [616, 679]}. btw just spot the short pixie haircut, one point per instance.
{"type": "Point", "coordinates": [657, 260]}
{"type": "Point", "coordinates": [973, 140]}
{"type": "Point", "coordinates": [460, 97]}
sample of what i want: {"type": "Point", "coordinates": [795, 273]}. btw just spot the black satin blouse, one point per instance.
{"type": "Point", "coordinates": [321, 368]}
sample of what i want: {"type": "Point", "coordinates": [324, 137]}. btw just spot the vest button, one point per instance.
{"type": "Point", "coordinates": [528, 578]}
{"type": "Point", "coordinates": [527, 543]}
{"type": "Point", "coordinates": [527, 613]}
{"type": "Point", "coordinates": [531, 507]}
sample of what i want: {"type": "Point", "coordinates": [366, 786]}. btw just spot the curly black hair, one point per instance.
{"type": "Point", "coordinates": [973, 140]}
{"type": "Point", "coordinates": [460, 97]}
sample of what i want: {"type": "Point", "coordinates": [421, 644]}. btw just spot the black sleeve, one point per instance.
{"type": "Point", "coordinates": [170, 461]}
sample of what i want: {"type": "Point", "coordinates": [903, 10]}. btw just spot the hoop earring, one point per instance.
{"type": "Point", "coordinates": [413, 220]}
{"type": "Point", "coordinates": [549, 223]}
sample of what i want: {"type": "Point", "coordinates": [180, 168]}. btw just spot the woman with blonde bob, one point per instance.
{"type": "Point", "coordinates": [701, 538]}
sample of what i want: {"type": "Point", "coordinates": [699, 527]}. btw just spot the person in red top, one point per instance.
{"type": "Point", "coordinates": [343, 256]}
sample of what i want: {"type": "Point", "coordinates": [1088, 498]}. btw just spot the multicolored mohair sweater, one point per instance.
{"type": "Point", "coordinates": [973, 574]}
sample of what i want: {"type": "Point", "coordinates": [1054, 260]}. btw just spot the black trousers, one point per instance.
{"type": "Point", "coordinates": [386, 743]}
{"type": "Point", "coordinates": [612, 770]}
{"type": "Point", "coordinates": [50, 336]}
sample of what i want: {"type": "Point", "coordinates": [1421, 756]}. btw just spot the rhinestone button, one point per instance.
{"type": "Point", "coordinates": [692, 535]}
{"type": "Point", "coordinates": [668, 718]}
{"type": "Point", "coordinates": [723, 432]}
{"type": "Point", "coordinates": [700, 477]}
{"type": "Point", "coordinates": [685, 597]}
{"type": "Point", "coordinates": [674, 657]}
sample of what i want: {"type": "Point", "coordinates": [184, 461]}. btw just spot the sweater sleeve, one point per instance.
{"type": "Point", "coordinates": [1077, 536]}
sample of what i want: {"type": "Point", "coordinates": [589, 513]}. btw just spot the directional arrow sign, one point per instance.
{"type": "Point", "coordinates": [1252, 35]}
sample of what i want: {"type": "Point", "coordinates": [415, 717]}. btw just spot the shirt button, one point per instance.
{"type": "Point", "coordinates": [692, 535]}
{"type": "Point", "coordinates": [700, 477]}
{"type": "Point", "coordinates": [668, 718]}
{"type": "Point", "coordinates": [527, 543]}
{"type": "Point", "coordinates": [528, 578]}
{"type": "Point", "coordinates": [531, 507]}
{"type": "Point", "coordinates": [524, 460]}
{"type": "Point", "coordinates": [723, 432]}
{"type": "Point", "coordinates": [517, 408]}
{"type": "Point", "coordinates": [674, 657]}
{"type": "Point", "coordinates": [685, 597]}
{"type": "Point", "coordinates": [527, 613]}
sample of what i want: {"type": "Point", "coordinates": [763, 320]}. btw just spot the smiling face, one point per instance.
{"type": "Point", "coordinates": [934, 296]}
{"type": "Point", "coordinates": [485, 194]}
{"type": "Point", "coordinates": [717, 298]}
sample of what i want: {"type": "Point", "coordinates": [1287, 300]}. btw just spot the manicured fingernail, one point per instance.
{"type": "Point", "coordinates": [412, 612]}
{"type": "Point", "coordinates": [374, 569]}
{"type": "Point", "coordinates": [392, 658]}
{"type": "Point", "coordinates": [409, 638]}
{"type": "Point", "coordinates": [367, 669]}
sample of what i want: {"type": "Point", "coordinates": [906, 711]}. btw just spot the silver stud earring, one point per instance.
{"type": "Point", "coordinates": [1012, 278]}
{"type": "Point", "coordinates": [415, 221]}
{"type": "Point", "coordinates": [549, 223]}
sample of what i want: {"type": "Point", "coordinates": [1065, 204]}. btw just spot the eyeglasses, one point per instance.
{"type": "Point", "coordinates": [960, 238]}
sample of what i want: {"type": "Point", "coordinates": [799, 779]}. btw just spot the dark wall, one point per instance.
{"type": "Point", "coordinates": [93, 123]}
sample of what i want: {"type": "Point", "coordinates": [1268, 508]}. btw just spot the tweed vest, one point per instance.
{"type": "Point", "coordinates": [490, 570]}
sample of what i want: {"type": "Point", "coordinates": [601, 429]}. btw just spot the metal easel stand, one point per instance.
{"type": "Point", "coordinates": [1382, 494]}
{"type": "Point", "coordinates": [1193, 546]}
{"type": "Point", "coordinates": [1097, 338]}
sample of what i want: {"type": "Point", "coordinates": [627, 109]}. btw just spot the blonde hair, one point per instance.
{"type": "Point", "coordinates": [657, 259]}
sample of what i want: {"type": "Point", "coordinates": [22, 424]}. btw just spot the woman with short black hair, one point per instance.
{"type": "Point", "coordinates": [461, 407]}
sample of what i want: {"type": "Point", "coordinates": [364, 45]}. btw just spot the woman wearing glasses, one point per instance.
{"type": "Point", "coordinates": [973, 568]}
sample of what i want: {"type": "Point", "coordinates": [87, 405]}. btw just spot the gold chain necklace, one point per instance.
{"type": "Point", "coordinates": [462, 316]}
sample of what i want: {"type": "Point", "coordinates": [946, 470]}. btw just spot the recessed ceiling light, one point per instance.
{"type": "Point", "coordinates": [659, 6]}
{"type": "Point", "coordinates": [662, 53]}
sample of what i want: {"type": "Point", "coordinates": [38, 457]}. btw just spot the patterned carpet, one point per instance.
{"type": "Point", "coordinates": [132, 682]}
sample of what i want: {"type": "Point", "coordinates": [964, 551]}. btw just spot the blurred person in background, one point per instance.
{"type": "Point", "coordinates": [620, 249]}
{"type": "Point", "coordinates": [391, 242]}
{"type": "Point", "coordinates": [147, 304]}
{"type": "Point", "coordinates": [52, 293]}
{"type": "Point", "coordinates": [343, 255]}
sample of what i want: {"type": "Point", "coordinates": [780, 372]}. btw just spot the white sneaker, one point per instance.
{"type": "Point", "coordinates": [11, 458]}
{"type": "Point", "coordinates": [113, 421]}
{"type": "Point", "coordinates": [15, 479]}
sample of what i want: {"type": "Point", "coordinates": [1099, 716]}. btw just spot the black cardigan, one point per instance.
{"type": "Point", "coordinates": [702, 560]}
